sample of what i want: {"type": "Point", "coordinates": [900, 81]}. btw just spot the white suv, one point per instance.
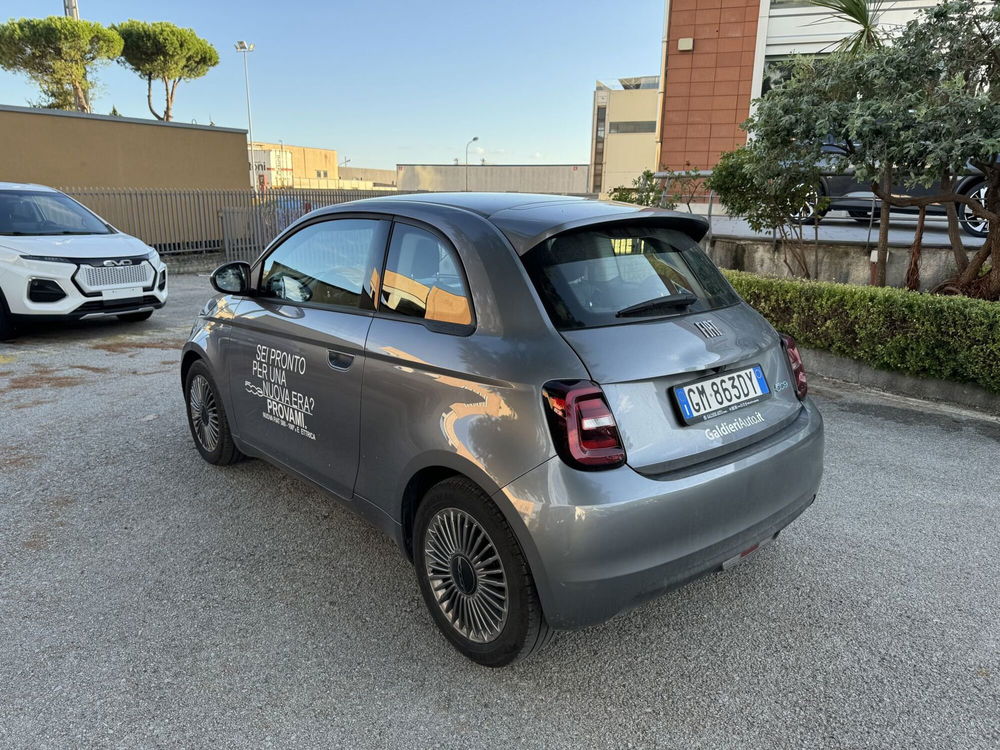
{"type": "Point", "coordinates": [59, 260]}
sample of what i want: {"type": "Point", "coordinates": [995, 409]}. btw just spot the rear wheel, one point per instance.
{"type": "Point", "coordinates": [207, 417]}
{"type": "Point", "coordinates": [473, 576]}
{"type": "Point", "coordinates": [970, 223]}
{"type": "Point", "coordinates": [136, 317]}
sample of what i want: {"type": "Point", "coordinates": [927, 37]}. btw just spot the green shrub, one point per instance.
{"type": "Point", "coordinates": [950, 338]}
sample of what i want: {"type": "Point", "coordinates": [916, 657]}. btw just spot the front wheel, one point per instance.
{"type": "Point", "coordinates": [207, 417]}
{"type": "Point", "coordinates": [7, 328]}
{"type": "Point", "coordinates": [810, 211]}
{"type": "Point", "coordinates": [970, 223]}
{"type": "Point", "coordinates": [473, 576]}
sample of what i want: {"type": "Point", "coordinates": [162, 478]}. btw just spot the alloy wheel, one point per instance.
{"type": "Point", "coordinates": [466, 575]}
{"type": "Point", "coordinates": [976, 224]}
{"type": "Point", "coordinates": [204, 412]}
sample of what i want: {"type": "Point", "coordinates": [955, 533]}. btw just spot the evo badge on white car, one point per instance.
{"type": "Point", "coordinates": [59, 260]}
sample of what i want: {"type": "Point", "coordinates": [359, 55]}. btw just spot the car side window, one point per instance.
{"type": "Point", "coordinates": [325, 263]}
{"type": "Point", "coordinates": [424, 279]}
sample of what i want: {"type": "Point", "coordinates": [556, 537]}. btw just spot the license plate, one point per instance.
{"type": "Point", "coordinates": [129, 293]}
{"type": "Point", "coordinates": [721, 394]}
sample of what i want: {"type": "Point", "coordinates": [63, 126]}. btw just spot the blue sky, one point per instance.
{"type": "Point", "coordinates": [385, 81]}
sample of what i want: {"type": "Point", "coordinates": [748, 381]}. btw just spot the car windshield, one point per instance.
{"type": "Point", "coordinates": [613, 275]}
{"type": "Point", "coordinates": [34, 212]}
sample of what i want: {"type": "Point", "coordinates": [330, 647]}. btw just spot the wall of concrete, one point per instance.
{"type": "Point", "coordinates": [374, 176]}
{"type": "Point", "coordinates": [847, 264]}
{"type": "Point", "coordinates": [57, 148]}
{"type": "Point", "coordinates": [501, 178]}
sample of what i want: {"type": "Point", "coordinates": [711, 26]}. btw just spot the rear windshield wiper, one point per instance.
{"type": "Point", "coordinates": [673, 300]}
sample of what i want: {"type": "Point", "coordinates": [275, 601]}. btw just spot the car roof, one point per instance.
{"type": "Point", "coordinates": [26, 186]}
{"type": "Point", "coordinates": [527, 219]}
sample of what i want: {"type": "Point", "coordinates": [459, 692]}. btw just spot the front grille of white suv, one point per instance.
{"type": "Point", "coordinates": [95, 278]}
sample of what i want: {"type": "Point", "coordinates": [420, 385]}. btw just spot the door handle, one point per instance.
{"type": "Point", "coordinates": [340, 360]}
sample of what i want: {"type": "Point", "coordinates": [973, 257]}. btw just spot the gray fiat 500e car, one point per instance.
{"type": "Point", "coordinates": [557, 407]}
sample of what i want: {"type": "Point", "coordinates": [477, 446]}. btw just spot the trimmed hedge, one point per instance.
{"type": "Point", "coordinates": [934, 336]}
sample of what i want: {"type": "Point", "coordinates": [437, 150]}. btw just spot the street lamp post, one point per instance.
{"type": "Point", "coordinates": [246, 48]}
{"type": "Point", "coordinates": [476, 138]}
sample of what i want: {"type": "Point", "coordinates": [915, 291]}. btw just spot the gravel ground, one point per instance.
{"type": "Point", "coordinates": [147, 598]}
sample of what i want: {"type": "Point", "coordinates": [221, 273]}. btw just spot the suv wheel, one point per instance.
{"type": "Point", "coordinates": [972, 224]}
{"type": "Point", "coordinates": [473, 576]}
{"type": "Point", "coordinates": [207, 417]}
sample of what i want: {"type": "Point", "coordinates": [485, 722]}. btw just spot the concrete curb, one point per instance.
{"type": "Point", "coordinates": [849, 370]}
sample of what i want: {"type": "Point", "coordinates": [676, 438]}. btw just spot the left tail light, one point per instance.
{"type": "Point", "coordinates": [582, 425]}
{"type": "Point", "coordinates": [795, 362]}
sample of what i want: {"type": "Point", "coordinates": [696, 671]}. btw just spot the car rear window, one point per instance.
{"type": "Point", "coordinates": [613, 275]}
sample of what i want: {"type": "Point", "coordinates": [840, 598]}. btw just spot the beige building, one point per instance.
{"type": "Point", "coordinates": [380, 178]}
{"type": "Point", "coordinates": [71, 149]}
{"type": "Point", "coordinates": [281, 165]}
{"type": "Point", "coordinates": [623, 132]}
{"type": "Point", "coordinates": [561, 179]}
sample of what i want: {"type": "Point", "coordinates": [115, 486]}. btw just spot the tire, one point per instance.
{"type": "Point", "coordinates": [206, 417]}
{"type": "Point", "coordinates": [809, 212]}
{"type": "Point", "coordinates": [494, 617]}
{"type": "Point", "coordinates": [135, 317]}
{"type": "Point", "coordinates": [970, 223]}
{"type": "Point", "coordinates": [862, 217]}
{"type": "Point", "coordinates": [7, 328]}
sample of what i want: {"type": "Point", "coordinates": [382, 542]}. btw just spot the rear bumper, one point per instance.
{"type": "Point", "coordinates": [602, 542]}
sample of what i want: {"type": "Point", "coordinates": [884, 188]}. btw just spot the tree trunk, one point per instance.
{"type": "Point", "coordinates": [913, 271]}
{"type": "Point", "coordinates": [883, 228]}
{"type": "Point", "coordinates": [992, 244]}
{"type": "Point", "coordinates": [954, 231]}
{"type": "Point", "coordinates": [149, 98]}
{"type": "Point", "coordinates": [955, 237]}
{"type": "Point", "coordinates": [168, 112]}
{"type": "Point", "coordinates": [80, 96]}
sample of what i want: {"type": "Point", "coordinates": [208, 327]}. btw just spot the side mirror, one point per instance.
{"type": "Point", "coordinates": [232, 278]}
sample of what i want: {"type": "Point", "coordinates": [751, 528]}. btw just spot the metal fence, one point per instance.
{"type": "Point", "coordinates": [200, 228]}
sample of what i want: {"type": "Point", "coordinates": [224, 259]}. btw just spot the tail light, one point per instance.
{"type": "Point", "coordinates": [583, 427]}
{"type": "Point", "coordinates": [798, 369]}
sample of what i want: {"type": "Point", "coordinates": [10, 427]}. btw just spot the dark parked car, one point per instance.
{"type": "Point", "coordinates": [557, 407]}
{"type": "Point", "coordinates": [846, 193]}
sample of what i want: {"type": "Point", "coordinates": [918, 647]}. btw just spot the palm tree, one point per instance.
{"type": "Point", "coordinates": [864, 14]}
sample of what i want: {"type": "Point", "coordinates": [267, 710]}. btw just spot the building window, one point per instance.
{"type": "Point", "coordinates": [321, 174]}
{"type": "Point", "coordinates": [632, 126]}
{"type": "Point", "coordinates": [601, 117]}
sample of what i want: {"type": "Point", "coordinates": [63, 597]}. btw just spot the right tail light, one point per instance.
{"type": "Point", "coordinates": [795, 362]}
{"type": "Point", "coordinates": [582, 425]}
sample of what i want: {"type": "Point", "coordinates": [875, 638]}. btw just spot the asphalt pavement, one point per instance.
{"type": "Point", "coordinates": [148, 599]}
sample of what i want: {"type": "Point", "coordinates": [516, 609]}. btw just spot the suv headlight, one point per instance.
{"type": "Point", "coordinates": [48, 258]}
